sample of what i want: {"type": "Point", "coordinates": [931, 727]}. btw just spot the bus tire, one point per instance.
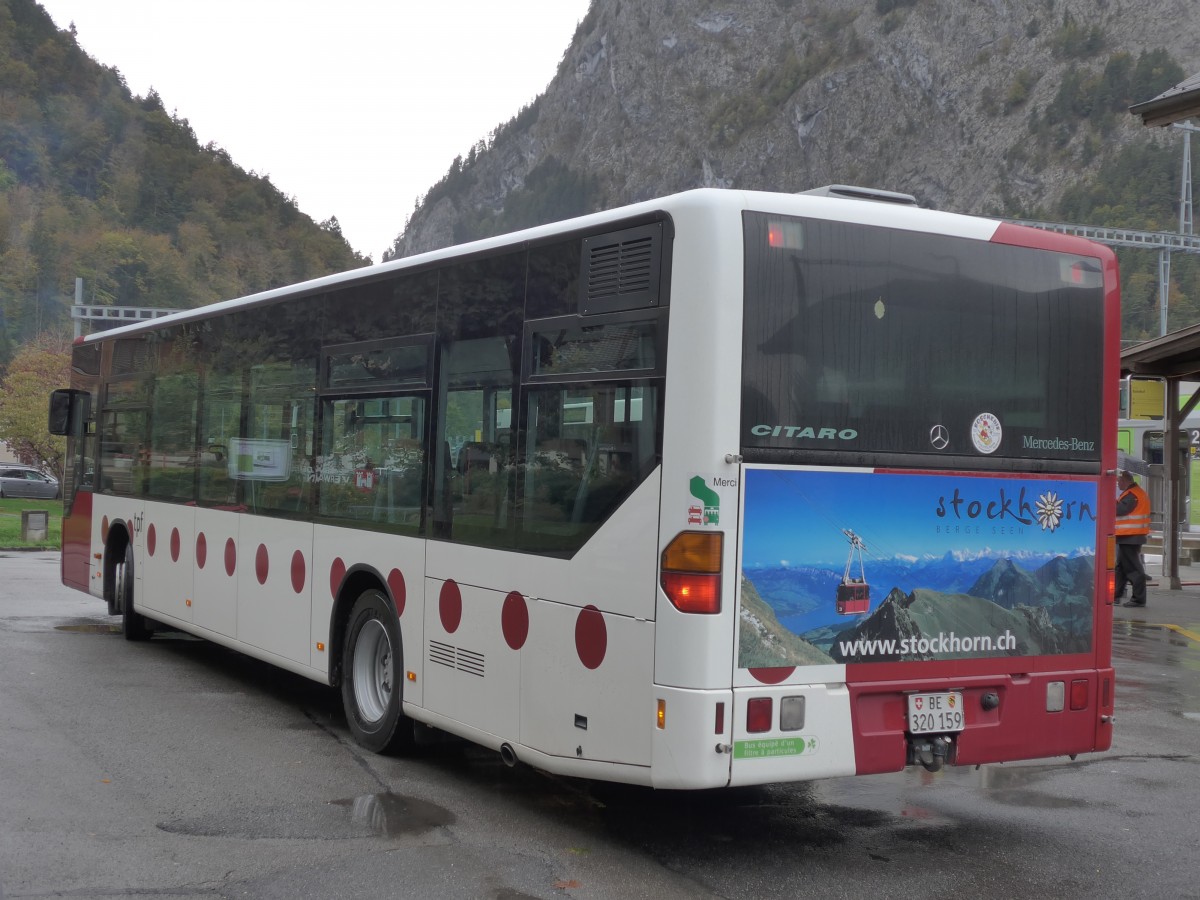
{"type": "Point", "coordinates": [133, 624]}
{"type": "Point", "coordinates": [372, 673]}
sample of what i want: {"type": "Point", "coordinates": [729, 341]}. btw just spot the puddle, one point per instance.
{"type": "Point", "coordinates": [391, 815]}
{"type": "Point", "coordinates": [1014, 786]}
{"type": "Point", "coordinates": [90, 628]}
{"type": "Point", "coordinates": [386, 814]}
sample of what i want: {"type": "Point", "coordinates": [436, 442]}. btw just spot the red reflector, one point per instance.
{"type": "Point", "coordinates": [693, 593]}
{"type": "Point", "coordinates": [720, 722]}
{"type": "Point", "coordinates": [758, 715]}
{"type": "Point", "coordinates": [785, 235]}
{"type": "Point", "coordinates": [1079, 694]}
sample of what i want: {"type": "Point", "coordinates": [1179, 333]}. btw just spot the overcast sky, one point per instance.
{"type": "Point", "coordinates": [352, 107]}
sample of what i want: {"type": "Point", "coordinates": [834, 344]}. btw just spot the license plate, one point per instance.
{"type": "Point", "coordinates": [935, 713]}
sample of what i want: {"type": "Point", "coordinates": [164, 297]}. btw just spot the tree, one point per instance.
{"type": "Point", "coordinates": [43, 364]}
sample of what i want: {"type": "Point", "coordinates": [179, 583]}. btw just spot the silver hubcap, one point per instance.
{"type": "Point", "coordinates": [373, 671]}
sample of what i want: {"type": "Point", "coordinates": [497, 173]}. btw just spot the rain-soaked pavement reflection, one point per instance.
{"type": "Point", "coordinates": [391, 815]}
{"type": "Point", "coordinates": [1174, 681]}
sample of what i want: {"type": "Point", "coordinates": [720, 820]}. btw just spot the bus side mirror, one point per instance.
{"type": "Point", "coordinates": [65, 404]}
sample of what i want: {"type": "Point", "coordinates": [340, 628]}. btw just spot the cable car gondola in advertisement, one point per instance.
{"type": "Point", "coordinates": [853, 594]}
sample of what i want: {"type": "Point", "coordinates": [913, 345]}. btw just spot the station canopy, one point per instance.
{"type": "Point", "coordinates": [1174, 357]}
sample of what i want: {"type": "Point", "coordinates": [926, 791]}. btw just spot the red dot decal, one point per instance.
{"type": "Point", "coordinates": [174, 545]}
{"type": "Point", "coordinates": [104, 529]}
{"type": "Point", "coordinates": [591, 637]}
{"type": "Point", "coordinates": [230, 557]}
{"type": "Point", "coordinates": [450, 606]}
{"type": "Point", "coordinates": [151, 540]}
{"type": "Point", "coordinates": [514, 620]}
{"type": "Point", "coordinates": [396, 586]}
{"type": "Point", "coordinates": [201, 550]}
{"type": "Point", "coordinates": [261, 564]}
{"type": "Point", "coordinates": [336, 573]}
{"type": "Point", "coordinates": [773, 675]}
{"type": "Point", "coordinates": [297, 571]}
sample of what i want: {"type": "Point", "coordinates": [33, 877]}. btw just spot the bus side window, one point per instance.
{"type": "Point", "coordinates": [588, 448]}
{"type": "Point", "coordinates": [372, 467]}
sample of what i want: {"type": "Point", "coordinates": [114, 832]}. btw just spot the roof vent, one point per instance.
{"type": "Point", "coordinates": [850, 192]}
{"type": "Point", "coordinates": [621, 270]}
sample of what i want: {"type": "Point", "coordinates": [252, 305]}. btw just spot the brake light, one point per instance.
{"type": "Point", "coordinates": [785, 235]}
{"type": "Point", "coordinates": [693, 593]}
{"type": "Point", "coordinates": [758, 715]}
{"type": "Point", "coordinates": [1079, 693]}
{"type": "Point", "coordinates": [1111, 566]}
{"type": "Point", "coordinates": [691, 571]}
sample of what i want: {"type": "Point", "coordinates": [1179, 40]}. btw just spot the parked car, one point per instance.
{"type": "Point", "coordinates": [26, 481]}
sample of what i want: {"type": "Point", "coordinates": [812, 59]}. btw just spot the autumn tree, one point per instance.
{"type": "Point", "coordinates": [40, 366]}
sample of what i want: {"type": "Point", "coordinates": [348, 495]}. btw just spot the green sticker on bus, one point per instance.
{"type": "Point", "coordinates": [767, 747]}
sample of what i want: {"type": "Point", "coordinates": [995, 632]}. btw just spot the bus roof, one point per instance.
{"type": "Point", "coordinates": [713, 201]}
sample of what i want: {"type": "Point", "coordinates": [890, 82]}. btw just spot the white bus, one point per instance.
{"type": "Point", "coordinates": [582, 494]}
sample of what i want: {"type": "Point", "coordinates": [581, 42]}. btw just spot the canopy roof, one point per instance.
{"type": "Point", "coordinates": [1172, 105]}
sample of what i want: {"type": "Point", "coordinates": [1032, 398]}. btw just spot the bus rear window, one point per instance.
{"type": "Point", "coordinates": [873, 340]}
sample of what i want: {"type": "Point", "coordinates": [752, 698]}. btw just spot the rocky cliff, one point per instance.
{"type": "Point", "coordinates": [978, 106]}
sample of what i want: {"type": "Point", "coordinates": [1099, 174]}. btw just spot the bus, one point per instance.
{"type": "Point", "coordinates": [1144, 440]}
{"type": "Point", "coordinates": [718, 489]}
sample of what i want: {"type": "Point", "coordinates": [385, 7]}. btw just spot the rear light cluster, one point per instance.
{"type": "Point", "coordinates": [1112, 565]}
{"type": "Point", "coordinates": [760, 714]}
{"type": "Point", "coordinates": [691, 571]}
{"type": "Point", "coordinates": [1056, 695]}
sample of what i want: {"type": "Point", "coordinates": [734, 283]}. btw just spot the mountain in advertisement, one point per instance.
{"type": "Point", "coordinates": [926, 625]}
{"type": "Point", "coordinates": [764, 642]}
{"type": "Point", "coordinates": [796, 591]}
{"type": "Point", "coordinates": [1062, 587]}
{"type": "Point", "coordinates": [802, 597]}
{"type": "Point", "coordinates": [1008, 612]}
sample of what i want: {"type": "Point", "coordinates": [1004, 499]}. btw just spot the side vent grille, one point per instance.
{"type": "Point", "coordinates": [621, 270]}
{"type": "Point", "coordinates": [470, 662]}
{"type": "Point", "coordinates": [442, 654]}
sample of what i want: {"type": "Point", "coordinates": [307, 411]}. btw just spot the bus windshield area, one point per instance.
{"type": "Point", "coordinates": [869, 339]}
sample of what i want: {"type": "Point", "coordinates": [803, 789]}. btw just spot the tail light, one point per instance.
{"type": "Point", "coordinates": [1111, 565]}
{"type": "Point", "coordinates": [1079, 693]}
{"type": "Point", "coordinates": [758, 715]}
{"type": "Point", "coordinates": [691, 571]}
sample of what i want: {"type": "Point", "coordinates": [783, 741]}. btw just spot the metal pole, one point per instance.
{"type": "Point", "coordinates": [1164, 288]}
{"type": "Point", "coordinates": [1171, 487]}
{"type": "Point", "coordinates": [78, 302]}
{"type": "Point", "coordinates": [1185, 188]}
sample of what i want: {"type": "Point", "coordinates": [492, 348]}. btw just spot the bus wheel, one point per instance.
{"type": "Point", "coordinates": [133, 625]}
{"type": "Point", "coordinates": [372, 669]}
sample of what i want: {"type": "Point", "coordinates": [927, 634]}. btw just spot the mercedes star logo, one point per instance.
{"type": "Point", "coordinates": [939, 437]}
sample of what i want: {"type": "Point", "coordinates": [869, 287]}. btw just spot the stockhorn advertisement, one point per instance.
{"type": "Point", "coordinates": [860, 567]}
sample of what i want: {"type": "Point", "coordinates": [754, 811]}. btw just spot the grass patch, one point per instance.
{"type": "Point", "coordinates": [10, 524]}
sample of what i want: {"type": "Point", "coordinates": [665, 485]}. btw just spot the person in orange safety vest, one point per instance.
{"type": "Point", "coordinates": [1133, 524]}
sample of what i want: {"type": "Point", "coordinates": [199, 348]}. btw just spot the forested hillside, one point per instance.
{"type": "Point", "coordinates": [1010, 108]}
{"type": "Point", "coordinates": [100, 184]}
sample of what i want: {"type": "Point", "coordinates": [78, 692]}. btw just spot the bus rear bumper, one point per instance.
{"type": "Point", "coordinates": [1009, 717]}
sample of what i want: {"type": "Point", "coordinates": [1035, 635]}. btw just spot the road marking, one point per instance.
{"type": "Point", "coordinates": [1190, 635]}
